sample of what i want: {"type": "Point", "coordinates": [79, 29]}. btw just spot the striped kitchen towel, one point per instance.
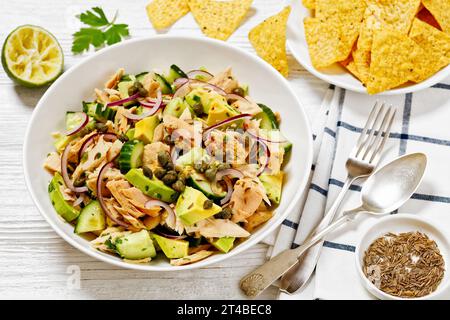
{"type": "Point", "coordinates": [421, 125]}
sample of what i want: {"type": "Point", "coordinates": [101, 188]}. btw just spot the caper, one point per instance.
{"type": "Point", "coordinates": [168, 140]}
{"type": "Point", "coordinates": [163, 158]}
{"type": "Point", "coordinates": [208, 204]}
{"type": "Point", "coordinates": [169, 178]}
{"type": "Point", "coordinates": [160, 173]}
{"type": "Point", "coordinates": [226, 213]}
{"type": "Point", "coordinates": [102, 128]}
{"type": "Point", "coordinates": [147, 172]}
{"type": "Point", "coordinates": [239, 91]}
{"type": "Point", "coordinates": [123, 137]}
{"type": "Point", "coordinates": [178, 186]}
{"type": "Point", "coordinates": [201, 166]}
{"type": "Point", "coordinates": [198, 166]}
{"type": "Point", "coordinates": [198, 109]}
{"type": "Point", "coordinates": [80, 181]}
{"type": "Point", "coordinates": [138, 84]}
{"type": "Point", "coordinates": [132, 89]}
{"type": "Point", "coordinates": [142, 92]}
{"type": "Point", "coordinates": [210, 174]}
{"type": "Point", "coordinates": [169, 166]}
{"type": "Point", "coordinates": [182, 177]}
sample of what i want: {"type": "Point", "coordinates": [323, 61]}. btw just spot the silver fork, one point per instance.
{"type": "Point", "coordinates": [361, 163]}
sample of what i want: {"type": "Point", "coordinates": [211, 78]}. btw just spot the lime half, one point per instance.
{"type": "Point", "coordinates": [32, 57]}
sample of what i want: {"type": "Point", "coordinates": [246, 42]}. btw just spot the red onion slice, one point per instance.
{"type": "Point", "coordinates": [78, 201]}
{"type": "Point", "coordinates": [263, 166]}
{"type": "Point", "coordinates": [122, 101]}
{"type": "Point", "coordinates": [102, 200]}
{"type": "Point", "coordinates": [185, 88]}
{"type": "Point", "coordinates": [232, 96]}
{"type": "Point", "coordinates": [179, 82]}
{"type": "Point", "coordinates": [84, 121]}
{"type": "Point", "coordinates": [205, 74]}
{"type": "Point", "coordinates": [174, 154]}
{"type": "Point", "coordinates": [170, 236]}
{"type": "Point", "coordinates": [171, 217]}
{"type": "Point", "coordinates": [154, 102]}
{"type": "Point", "coordinates": [226, 121]}
{"type": "Point", "coordinates": [227, 197]}
{"type": "Point", "coordinates": [65, 174]}
{"type": "Point", "coordinates": [232, 173]}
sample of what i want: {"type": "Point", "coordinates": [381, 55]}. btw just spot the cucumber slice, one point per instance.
{"type": "Point", "coordinates": [163, 83]}
{"type": "Point", "coordinates": [131, 155]}
{"type": "Point", "coordinates": [199, 182]}
{"type": "Point", "coordinates": [268, 119]}
{"type": "Point", "coordinates": [73, 119]}
{"type": "Point", "coordinates": [98, 111]}
{"type": "Point", "coordinates": [91, 218]}
{"type": "Point", "coordinates": [136, 246]}
{"type": "Point", "coordinates": [174, 73]}
{"type": "Point", "coordinates": [175, 107]}
{"type": "Point", "coordinates": [130, 133]}
{"type": "Point", "coordinates": [140, 76]}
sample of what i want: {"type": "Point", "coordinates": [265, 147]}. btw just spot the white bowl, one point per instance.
{"type": "Point", "coordinates": [77, 84]}
{"type": "Point", "coordinates": [337, 74]}
{"type": "Point", "coordinates": [399, 223]}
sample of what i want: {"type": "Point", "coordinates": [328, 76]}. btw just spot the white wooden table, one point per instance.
{"type": "Point", "coordinates": [34, 261]}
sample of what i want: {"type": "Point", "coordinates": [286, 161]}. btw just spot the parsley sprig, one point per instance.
{"type": "Point", "coordinates": [101, 31]}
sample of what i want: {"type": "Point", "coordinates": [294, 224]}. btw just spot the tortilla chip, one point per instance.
{"type": "Point", "coordinates": [398, 14]}
{"type": "Point", "coordinates": [395, 60]}
{"type": "Point", "coordinates": [435, 43]}
{"type": "Point", "coordinates": [309, 4]}
{"type": "Point", "coordinates": [324, 45]}
{"type": "Point", "coordinates": [348, 14]}
{"type": "Point", "coordinates": [362, 53]}
{"type": "Point", "coordinates": [351, 67]}
{"type": "Point", "coordinates": [427, 17]}
{"type": "Point", "coordinates": [269, 40]}
{"type": "Point", "coordinates": [440, 9]}
{"type": "Point", "coordinates": [219, 19]}
{"type": "Point", "coordinates": [163, 13]}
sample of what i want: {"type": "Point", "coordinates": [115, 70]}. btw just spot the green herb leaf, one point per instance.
{"type": "Point", "coordinates": [86, 37]}
{"type": "Point", "coordinates": [94, 19]}
{"type": "Point", "coordinates": [101, 31]}
{"type": "Point", "coordinates": [115, 33]}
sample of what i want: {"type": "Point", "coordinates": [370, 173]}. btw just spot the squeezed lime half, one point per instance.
{"type": "Point", "coordinates": [32, 57]}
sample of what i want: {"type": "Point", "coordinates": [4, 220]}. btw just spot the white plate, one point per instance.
{"type": "Point", "coordinates": [77, 84]}
{"type": "Point", "coordinates": [399, 223]}
{"type": "Point", "coordinates": [337, 74]}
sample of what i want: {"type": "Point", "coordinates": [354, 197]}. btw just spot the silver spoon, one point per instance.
{"type": "Point", "coordinates": [385, 191]}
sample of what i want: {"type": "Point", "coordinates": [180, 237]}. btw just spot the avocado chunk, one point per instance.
{"type": "Point", "coordinates": [204, 97]}
{"type": "Point", "coordinates": [273, 185]}
{"type": "Point", "coordinates": [219, 111]}
{"type": "Point", "coordinates": [144, 128]}
{"type": "Point", "coordinates": [62, 207]}
{"type": "Point", "coordinates": [152, 187]}
{"type": "Point", "coordinates": [190, 208]}
{"type": "Point", "coordinates": [172, 248]}
{"type": "Point", "coordinates": [136, 246]}
{"type": "Point", "coordinates": [223, 244]}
